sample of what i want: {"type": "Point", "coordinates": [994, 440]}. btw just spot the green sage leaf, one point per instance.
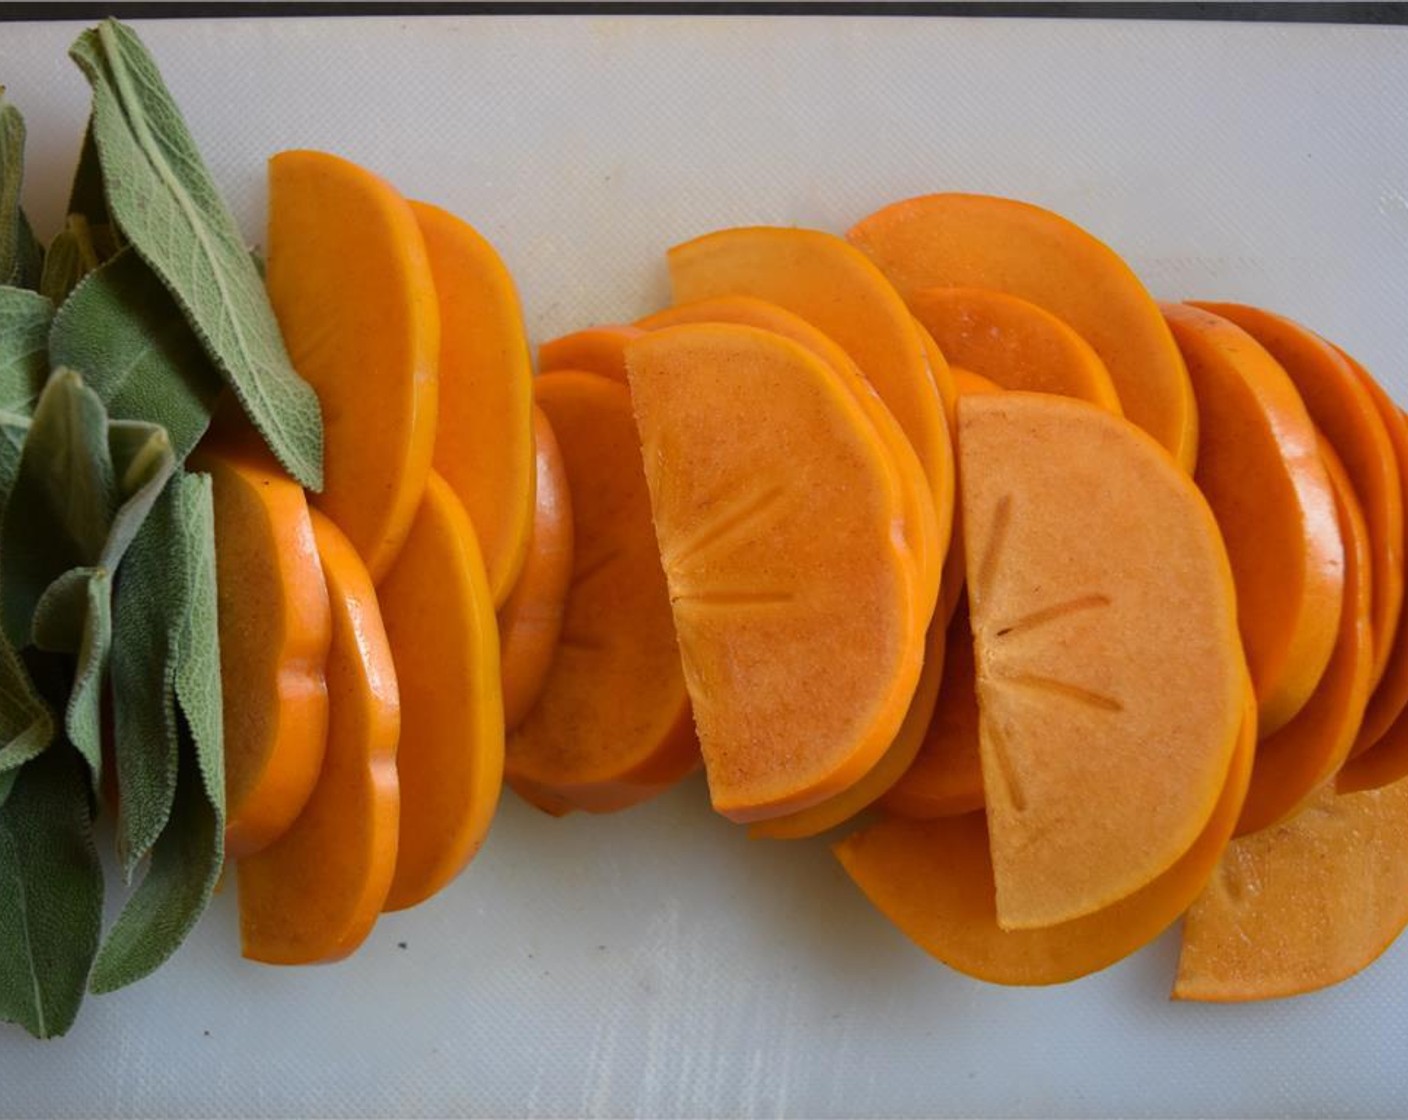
{"type": "Point", "coordinates": [122, 330]}
{"type": "Point", "coordinates": [166, 203]}
{"type": "Point", "coordinates": [25, 319]}
{"type": "Point", "coordinates": [73, 254]}
{"type": "Point", "coordinates": [20, 253]}
{"type": "Point", "coordinates": [198, 688]}
{"type": "Point", "coordinates": [74, 616]}
{"type": "Point", "coordinates": [52, 884]}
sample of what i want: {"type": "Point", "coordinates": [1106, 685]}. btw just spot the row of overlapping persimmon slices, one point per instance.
{"type": "Point", "coordinates": [1096, 600]}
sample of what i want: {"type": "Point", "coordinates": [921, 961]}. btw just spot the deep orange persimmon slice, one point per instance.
{"type": "Point", "coordinates": [611, 725]}
{"type": "Point", "coordinates": [1303, 905]}
{"type": "Point", "coordinates": [1344, 411]}
{"type": "Point", "coordinates": [600, 350]}
{"type": "Point", "coordinates": [1259, 467]}
{"type": "Point", "coordinates": [530, 623]}
{"type": "Point", "coordinates": [934, 880]}
{"type": "Point", "coordinates": [776, 507]}
{"type": "Point", "coordinates": [275, 626]}
{"type": "Point", "coordinates": [351, 285]}
{"type": "Point", "coordinates": [1014, 344]}
{"type": "Point", "coordinates": [484, 436]}
{"type": "Point", "coordinates": [439, 618]}
{"type": "Point", "coordinates": [315, 893]}
{"type": "Point", "coordinates": [978, 241]}
{"type": "Point", "coordinates": [1099, 770]}
{"type": "Point", "coordinates": [967, 382]}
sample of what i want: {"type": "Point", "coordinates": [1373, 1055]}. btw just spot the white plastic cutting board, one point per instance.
{"type": "Point", "coordinates": [657, 962]}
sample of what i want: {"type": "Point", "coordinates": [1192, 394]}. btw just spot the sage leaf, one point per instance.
{"type": "Point", "coordinates": [14, 430]}
{"type": "Point", "coordinates": [26, 724]}
{"type": "Point", "coordinates": [164, 200]}
{"type": "Point", "coordinates": [52, 884]}
{"type": "Point", "coordinates": [76, 250]}
{"type": "Point", "coordinates": [7, 783]}
{"type": "Point", "coordinates": [25, 319]}
{"type": "Point", "coordinates": [198, 688]}
{"type": "Point", "coordinates": [128, 338]}
{"type": "Point", "coordinates": [29, 265]}
{"type": "Point", "coordinates": [88, 197]}
{"type": "Point", "coordinates": [63, 501]}
{"type": "Point", "coordinates": [74, 616]}
{"type": "Point", "coordinates": [20, 253]}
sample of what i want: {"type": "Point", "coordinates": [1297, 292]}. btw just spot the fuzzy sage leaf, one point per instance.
{"type": "Point", "coordinates": [25, 319]}
{"type": "Point", "coordinates": [21, 256]}
{"type": "Point", "coordinates": [164, 200]}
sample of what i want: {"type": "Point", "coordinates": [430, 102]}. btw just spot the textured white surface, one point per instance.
{"type": "Point", "coordinates": [658, 963]}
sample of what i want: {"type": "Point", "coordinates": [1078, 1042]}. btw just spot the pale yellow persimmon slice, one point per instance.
{"type": "Point", "coordinates": [439, 618]}
{"type": "Point", "coordinates": [928, 517]}
{"type": "Point", "coordinates": [827, 282]}
{"type": "Point", "coordinates": [1299, 758]}
{"type": "Point", "coordinates": [777, 507]}
{"type": "Point", "coordinates": [934, 880]}
{"type": "Point", "coordinates": [484, 436]}
{"type": "Point", "coordinates": [1259, 467]}
{"type": "Point", "coordinates": [315, 893]}
{"type": "Point", "coordinates": [530, 623]}
{"type": "Point", "coordinates": [600, 350]}
{"type": "Point", "coordinates": [1013, 343]}
{"type": "Point", "coordinates": [351, 285]}
{"type": "Point", "coordinates": [1109, 671]}
{"type": "Point", "coordinates": [978, 241]}
{"type": "Point", "coordinates": [611, 726]}
{"type": "Point", "coordinates": [275, 627]}
{"type": "Point", "coordinates": [1303, 905]}
{"type": "Point", "coordinates": [1344, 411]}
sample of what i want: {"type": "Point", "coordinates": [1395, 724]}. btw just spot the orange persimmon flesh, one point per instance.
{"type": "Point", "coordinates": [1013, 343]}
{"type": "Point", "coordinates": [978, 241]}
{"type": "Point", "coordinates": [941, 372]}
{"type": "Point", "coordinates": [315, 893]}
{"type": "Point", "coordinates": [967, 382]}
{"type": "Point", "coordinates": [778, 510]}
{"type": "Point", "coordinates": [934, 880]}
{"type": "Point", "coordinates": [1294, 762]}
{"type": "Point", "coordinates": [946, 777]}
{"type": "Point", "coordinates": [531, 621]}
{"type": "Point", "coordinates": [611, 726]}
{"type": "Point", "coordinates": [1259, 467]}
{"type": "Point", "coordinates": [928, 518]}
{"type": "Point", "coordinates": [275, 626]}
{"type": "Point", "coordinates": [1343, 409]}
{"type": "Point", "coordinates": [840, 292]}
{"type": "Point", "coordinates": [439, 618]}
{"type": "Point", "coordinates": [351, 284]}
{"type": "Point", "coordinates": [600, 350]}
{"type": "Point", "coordinates": [1303, 905]}
{"type": "Point", "coordinates": [1082, 534]}
{"type": "Point", "coordinates": [484, 436]}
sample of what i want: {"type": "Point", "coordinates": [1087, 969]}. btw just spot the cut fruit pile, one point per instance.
{"type": "Point", "coordinates": [1091, 605]}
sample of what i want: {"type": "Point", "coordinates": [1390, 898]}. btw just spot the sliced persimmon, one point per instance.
{"type": "Point", "coordinates": [1299, 758]}
{"type": "Point", "coordinates": [315, 893]}
{"type": "Point", "coordinates": [1013, 343]}
{"type": "Point", "coordinates": [928, 518]}
{"type": "Point", "coordinates": [1099, 770]}
{"type": "Point", "coordinates": [530, 623]}
{"type": "Point", "coordinates": [795, 600]}
{"type": "Point", "coordinates": [1259, 467]}
{"type": "Point", "coordinates": [439, 618]}
{"type": "Point", "coordinates": [611, 726]}
{"type": "Point", "coordinates": [934, 880]}
{"type": "Point", "coordinates": [967, 382]}
{"type": "Point", "coordinates": [1303, 905]}
{"type": "Point", "coordinates": [941, 372]}
{"type": "Point", "coordinates": [600, 350]}
{"type": "Point", "coordinates": [836, 289]}
{"type": "Point", "coordinates": [351, 285]}
{"type": "Point", "coordinates": [484, 435]}
{"type": "Point", "coordinates": [946, 777]}
{"type": "Point", "coordinates": [1344, 411]}
{"type": "Point", "coordinates": [275, 626]}
{"type": "Point", "coordinates": [978, 241]}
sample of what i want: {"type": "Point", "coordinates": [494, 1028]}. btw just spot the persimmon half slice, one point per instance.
{"type": "Point", "coordinates": [1110, 675]}
{"type": "Point", "coordinates": [439, 618]}
{"type": "Point", "coordinates": [315, 893]}
{"type": "Point", "coordinates": [611, 725]}
{"type": "Point", "coordinates": [1014, 344]}
{"type": "Point", "coordinates": [776, 507]}
{"type": "Point", "coordinates": [600, 350]}
{"type": "Point", "coordinates": [979, 241]}
{"type": "Point", "coordinates": [351, 285]}
{"type": "Point", "coordinates": [1303, 905]}
{"type": "Point", "coordinates": [484, 435]}
{"type": "Point", "coordinates": [934, 880]}
{"type": "Point", "coordinates": [1259, 467]}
